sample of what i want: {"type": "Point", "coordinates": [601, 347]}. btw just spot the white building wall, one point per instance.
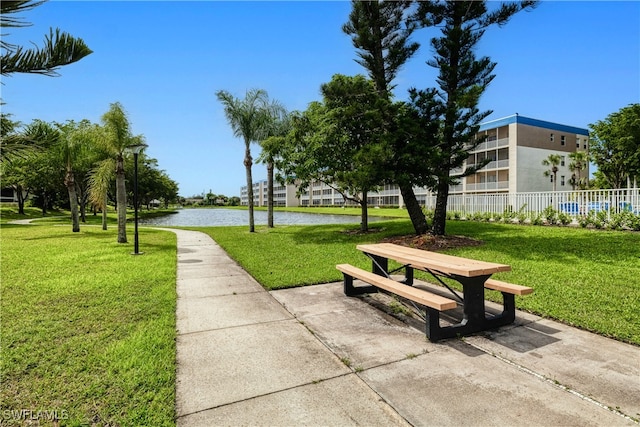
{"type": "Point", "coordinates": [513, 158]}
{"type": "Point", "coordinates": [530, 171]}
{"type": "Point", "coordinates": [523, 168]}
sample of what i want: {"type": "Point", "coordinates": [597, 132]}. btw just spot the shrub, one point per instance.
{"type": "Point", "coordinates": [537, 219]}
{"type": "Point", "coordinates": [564, 218]}
{"type": "Point", "coordinates": [549, 214]}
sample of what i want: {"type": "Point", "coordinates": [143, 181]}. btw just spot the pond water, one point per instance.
{"type": "Point", "coordinates": [226, 217]}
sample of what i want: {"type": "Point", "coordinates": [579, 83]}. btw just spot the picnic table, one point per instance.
{"type": "Point", "coordinates": [473, 275]}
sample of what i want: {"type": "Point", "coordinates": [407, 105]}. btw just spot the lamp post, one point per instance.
{"type": "Point", "coordinates": [136, 149]}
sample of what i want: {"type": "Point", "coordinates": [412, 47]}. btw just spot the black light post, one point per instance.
{"type": "Point", "coordinates": [136, 149]}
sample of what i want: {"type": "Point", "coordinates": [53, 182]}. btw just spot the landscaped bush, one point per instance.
{"type": "Point", "coordinates": [564, 219]}
{"type": "Point", "coordinates": [550, 215]}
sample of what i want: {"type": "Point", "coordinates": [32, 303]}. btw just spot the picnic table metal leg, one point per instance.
{"type": "Point", "coordinates": [350, 290]}
{"type": "Point", "coordinates": [474, 319]}
{"type": "Point", "coordinates": [473, 304]}
{"type": "Point", "coordinates": [379, 265]}
{"type": "Point", "coordinates": [509, 307]}
{"type": "Point", "coordinates": [433, 329]}
{"type": "Point", "coordinates": [408, 276]}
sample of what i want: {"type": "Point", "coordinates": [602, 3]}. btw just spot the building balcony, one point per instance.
{"type": "Point", "coordinates": [492, 145]}
{"type": "Point", "coordinates": [483, 186]}
{"type": "Point", "coordinates": [494, 164]}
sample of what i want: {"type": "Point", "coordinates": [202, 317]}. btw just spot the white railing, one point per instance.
{"type": "Point", "coordinates": [572, 203]}
{"type": "Point", "coordinates": [493, 185]}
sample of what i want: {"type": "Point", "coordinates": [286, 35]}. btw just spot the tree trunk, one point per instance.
{"type": "Point", "coordinates": [440, 214]}
{"type": "Point", "coordinates": [121, 200]}
{"type": "Point", "coordinates": [270, 194]}
{"type": "Point", "coordinates": [82, 195]}
{"type": "Point", "coordinates": [69, 181]}
{"type": "Point", "coordinates": [45, 202]}
{"type": "Point", "coordinates": [104, 213]}
{"type": "Point", "coordinates": [413, 208]}
{"type": "Point", "coordinates": [247, 164]}
{"type": "Point", "coordinates": [21, 198]}
{"type": "Point", "coordinates": [364, 216]}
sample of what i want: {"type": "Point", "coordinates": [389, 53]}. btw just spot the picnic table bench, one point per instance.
{"type": "Point", "coordinates": [473, 275]}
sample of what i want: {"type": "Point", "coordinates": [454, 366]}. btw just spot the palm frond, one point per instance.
{"type": "Point", "coordinates": [100, 181]}
{"type": "Point", "coordinates": [10, 7]}
{"type": "Point", "coordinates": [59, 49]}
{"type": "Point", "coordinates": [247, 117]}
{"type": "Point", "coordinates": [117, 129]}
{"type": "Point", "coordinates": [18, 145]}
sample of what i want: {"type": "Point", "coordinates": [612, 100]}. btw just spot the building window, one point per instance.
{"type": "Point", "coordinates": [577, 143]}
{"type": "Point", "coordinates": [562, 161]}
{"type": "Point", "coordinates": [562, 180]}
{"type": "Point", "coordinates": [551, 138]}
{"type": "Point", "coordinates": [562, 140]}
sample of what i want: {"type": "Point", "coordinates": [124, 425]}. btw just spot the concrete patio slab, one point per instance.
{"type": "Point", "coordinates": [222, 366]}
{"type": "Point", "coordinates": [600, 368]}
{"type": "Point", "coordinates": [312, 356]}
{"type": "Point", "coordinates": [454, 388]}
{"type": "Point", "coordinates": [353, 330]}
{"type": "Point", "coordinates": [340, 401]}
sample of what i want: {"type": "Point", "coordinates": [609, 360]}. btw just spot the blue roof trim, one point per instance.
{"type": "Point", "coordinates": [532, 122]}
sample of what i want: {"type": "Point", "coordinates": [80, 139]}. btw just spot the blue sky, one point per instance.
{"type": "Point", "coordinates": [570, 62]}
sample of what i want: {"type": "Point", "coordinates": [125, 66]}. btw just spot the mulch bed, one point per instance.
{"type": "Point", "coordinates": [429, 242]}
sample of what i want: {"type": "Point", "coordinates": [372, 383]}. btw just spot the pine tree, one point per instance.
{"type": "Point", "coordinates": [462, 79]}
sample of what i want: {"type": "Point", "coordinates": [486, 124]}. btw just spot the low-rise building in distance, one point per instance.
{"type": "Point", "coordinates": [515, 146]}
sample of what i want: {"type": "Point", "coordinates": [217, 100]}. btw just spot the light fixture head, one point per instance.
{"type": "Point", "coordinates": [136, 148]}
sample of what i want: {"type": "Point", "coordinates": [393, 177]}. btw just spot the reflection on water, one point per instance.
{"type": "Point", "coordinates": [226, 217]}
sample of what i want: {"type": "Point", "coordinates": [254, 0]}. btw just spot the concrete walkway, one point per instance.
{"type": "Point", "coordinates": [312, 356]}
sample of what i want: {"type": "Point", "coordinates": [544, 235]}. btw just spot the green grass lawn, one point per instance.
{"type": "Point", "coordinates": [586, 278]}
{"type": "Point", "coordinates": [88, 330]}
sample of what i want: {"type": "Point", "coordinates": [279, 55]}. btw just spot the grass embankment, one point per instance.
{"type": "Point", "coordinates": [63, 217]}
{"type": "Point", "coordinates": [586, 278]}
{"type": "Point", "coordinates": [88, 330]}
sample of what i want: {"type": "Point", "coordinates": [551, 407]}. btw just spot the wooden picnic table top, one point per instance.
{"type": "Point", "coordinates": [433, 261]}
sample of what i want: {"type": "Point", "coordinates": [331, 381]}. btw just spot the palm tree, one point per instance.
{"type": "Point", "coordinates": [552, 161]}
{"type": "Point", "coordinates": [579, 162]}
{"type": "Point", "coordinates": [249, 119]}
{"type": "Point", "coordinates": [18, 143]}
{"type": "Point", "coordinates": [99, 183]}
{"type": "Point", "coordinates": [59, 48]}
{"type": "Point", "coordinates": [117, 137]}
{"type": "Point", "coordinates": [69, 145]}
{"type": "Point", "coordinates": [279, 128]}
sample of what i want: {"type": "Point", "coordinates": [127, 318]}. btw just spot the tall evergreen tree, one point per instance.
{"type": "Point", "coordinates": [380, 32]}
{"type": "Point", "coordinates": [462, 79]}
{"type": "Point", "coordinates": [59, 47]}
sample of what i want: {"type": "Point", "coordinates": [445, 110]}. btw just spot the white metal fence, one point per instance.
{"type": "Point", "coordinates": [573, 203]}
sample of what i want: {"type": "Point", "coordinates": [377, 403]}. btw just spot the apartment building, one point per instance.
{"type": "Point", "coordinates": [283, 195]}
{"type": "Point", "coordinates": [515, 146]}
